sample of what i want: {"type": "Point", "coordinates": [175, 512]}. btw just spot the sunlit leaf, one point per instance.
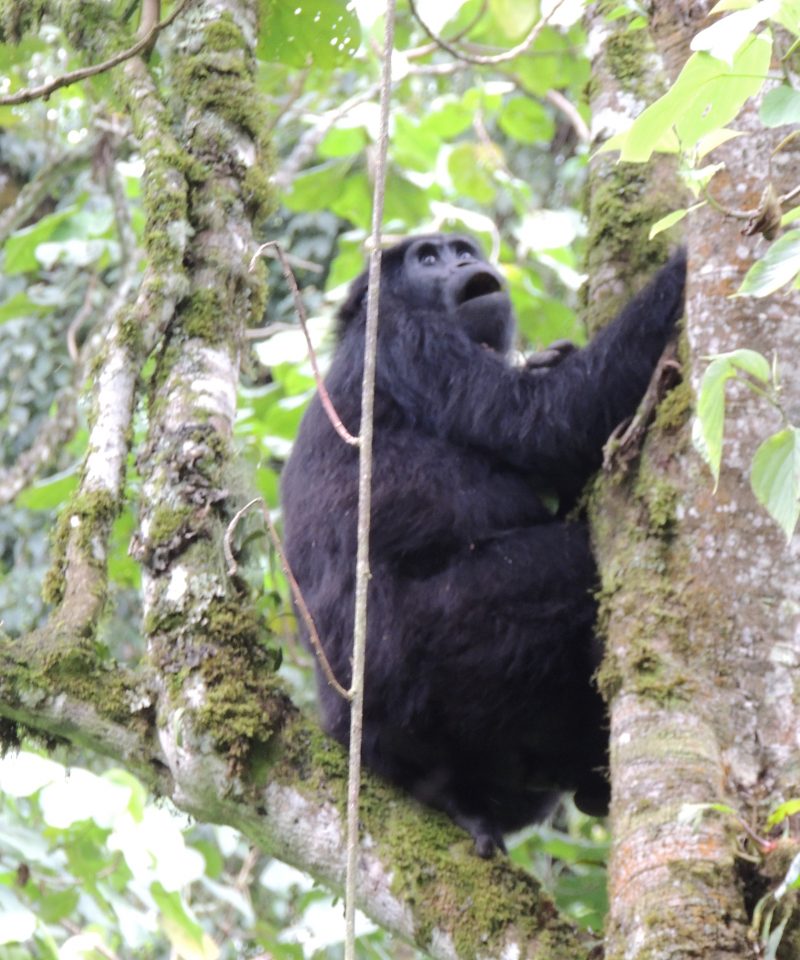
{"type": "Point", "coordinates": [467, 165]}
{"type": "Point", "coordinates": [49, 493]}
{"type": "Point", "coordinates": [780, 106]}
{"type": "Point", "coordinates": [325, 33]}
{"type": "Point", "coordinates": [191, 942]}
{"type": "Point", "coordinates": [779, 266]}
{"type": "Point", "coordinates": [775, 478]}
{"type": "Point", "coordinates": [724, 37]}
{"type": "Point", "coordinates": [780, 813]}
{"type": "Point", "coordinates": [709, 423]}
{"type": "Point", "coordinates": [707, 95]}
{"type": "Point", "coordinates": [670, 220]}
{"type": "Point", "coordinates": [20, 248]}
{"type": "Point", "coordinates": [526, 121]}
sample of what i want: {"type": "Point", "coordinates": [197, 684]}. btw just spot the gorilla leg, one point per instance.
{"type": "Point", "coordinates": [478, 690]}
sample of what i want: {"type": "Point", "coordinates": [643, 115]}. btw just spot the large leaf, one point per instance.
{"type": "Point", "coordinates": [779, 266]}
{"type": "Point", "coordinates": [325, 33]}
{"type": "Point", "coordinates": [780, 106]}
{"type": "Point", "coordinates": [20, 248]}
{"type": "Point", "coordinates": [709, 423]}
{"type": "Point", "coordinates": [775, 477]}
{"type": "Point", "coordinates": [526, 121]}
{"type": "Point", "coordinates": [724, 37]}
{"type": "Point", "coordinates": [707, 94]}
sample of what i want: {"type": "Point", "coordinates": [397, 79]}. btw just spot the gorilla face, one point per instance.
{"type": "Point", "coordinates": [450, 273]}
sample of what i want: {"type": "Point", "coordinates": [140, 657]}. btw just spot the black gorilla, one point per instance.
{"type": "Point", "coordinates": [481, 647]}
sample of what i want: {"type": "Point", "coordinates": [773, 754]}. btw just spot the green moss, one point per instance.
{"type": "Point", "coordinates": [622, 207]}
{"type": "Point", "coordinates": [224, 645]}
{"type": "Point", "coordinates": [258, 192]}
{"type": "Point", "coordinates": [86, 515]}
{"type": "Point", "coordinates": [166, 523]}
{"type": "Point", "coordinates": [659, 497]}
{"type": "Point", "coordinates": [223, 35]}
{"type": "Point", "coordinates": [626, 51]}
{"type": "Point", "coordinates": [674, 411]}
{"type": "Point", "coordinates": [204, 316]}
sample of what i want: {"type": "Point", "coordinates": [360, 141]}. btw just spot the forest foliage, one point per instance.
{"type": "Point", "coordinates": [89, 865]}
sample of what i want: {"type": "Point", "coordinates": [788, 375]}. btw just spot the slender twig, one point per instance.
{"type": "Point", "coordinates": [299, 600]}
{"type": "Point", "coordinates": [45, 89]}
{"type": "Point", "coordinates": [504, 57]}
{"type": "Point", "coordinates": [365, 493]}
{"type": "Point", "coordinates": [423, 51]}
{"type": "Point", "coordinates": [80, 319]}
{"type": "Point", "coordinates": [324, 396]}
{"type": "Point", "coordinates": [579, 125]}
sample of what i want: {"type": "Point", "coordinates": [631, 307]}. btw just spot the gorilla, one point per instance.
{"type": "Point", "coordinates": [481, 644]}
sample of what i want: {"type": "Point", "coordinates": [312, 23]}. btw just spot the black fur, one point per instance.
{"type": "Point", "coordinates": [478, 693]}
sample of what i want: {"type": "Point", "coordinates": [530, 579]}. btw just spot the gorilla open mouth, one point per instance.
{"type": "Point", "coordinates": [478, 285]}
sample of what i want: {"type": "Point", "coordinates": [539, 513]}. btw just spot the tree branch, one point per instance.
{"type": "Point", "coordinates": [44, 90]}
{"type": "Point", "coordinates": [416, 873]}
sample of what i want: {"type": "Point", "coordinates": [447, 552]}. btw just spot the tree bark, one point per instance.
{"type": "Point", "coordinates": [700, 606]}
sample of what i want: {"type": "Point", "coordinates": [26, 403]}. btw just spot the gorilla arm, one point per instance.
{"type": "Point", "coordinates": [551, 423]}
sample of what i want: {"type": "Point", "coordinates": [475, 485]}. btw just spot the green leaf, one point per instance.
{"type": "Point", "coordinates": [670, 220]}
{"type": "Point", "coordinates": [708, 427]}
{"type": "Point", "coordinates": [526, 121]}
{"type": "Point", "coordinates": [779, 266]}
{"type": "Point", "coordinates": [56, 905]}
{"type": "Point", "coordinates": [790, 216]}
{"type": "Point", "coordinates": [50, 493]}
{"type": "Point", "coordinates": [723, 38]}
{"type": "Point", "coordinates": [21, 246]}
{"type": "Point", "coordinates": [467, 165]}
{"type": "Point", "coordinates": [342, 142]}
{"type": "Point", "coordinates": [414, 145]}
{"type": "Point", "coordinates": [449, 118]}
{"type": "Point", "coordinates": [780, 106]}
{"type": "Point", "coordinates": [20, 305]}
{"type": "Point", "coordinates": [706, 96]}
{"type": "Point", "coordinates": [788, 16]}
{"type": "Point", "coordinates": [779, 814]}
{"type": "Point", "coordinates": [312, 189]}
{"type": "Point", "coordinates": [775, 478]}
{"type": "Point", "coordinates": [325, 33]}
{"type": "Point", "coordinates": [185, 934]}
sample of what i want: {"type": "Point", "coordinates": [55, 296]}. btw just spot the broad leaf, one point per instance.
{"type": "Point", "coordinates": [670, 220]}
{"type": "Point", "coordinates": [775, 478]}
{"type": "Point", "coordinates": [779, 266]}
{"type": "Point", "coordinates": [780, 106]}
{"type": "Point", "coordinates": [708, 427]}
{"type": "Point", "coordinates": [325, 33]}
{"type": "Point", "coordinates": [723, 38]}
{"type": "Point", "coordinates": [707, 94]}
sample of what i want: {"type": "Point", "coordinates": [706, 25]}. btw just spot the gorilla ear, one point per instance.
{"type": "Point", "coordinates": [353, 305]}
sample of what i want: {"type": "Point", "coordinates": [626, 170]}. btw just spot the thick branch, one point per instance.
{"type": "Point", "coordinates": [417, 875]}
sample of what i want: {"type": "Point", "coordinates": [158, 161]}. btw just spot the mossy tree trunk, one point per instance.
{"type": "Point", "coordinates": [700, 592]}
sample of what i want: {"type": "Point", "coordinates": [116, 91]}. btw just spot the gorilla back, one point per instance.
{"type": "Point", "coordinates": [481, 644]}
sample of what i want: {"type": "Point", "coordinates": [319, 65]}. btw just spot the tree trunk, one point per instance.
{"type": "Point", "coordinates": [700, 601]}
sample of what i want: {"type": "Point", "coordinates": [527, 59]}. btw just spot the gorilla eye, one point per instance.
{"type": "Point", "coordinates": [464, 252]}
{"type": "Point", "coordinates": [427, 256]}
